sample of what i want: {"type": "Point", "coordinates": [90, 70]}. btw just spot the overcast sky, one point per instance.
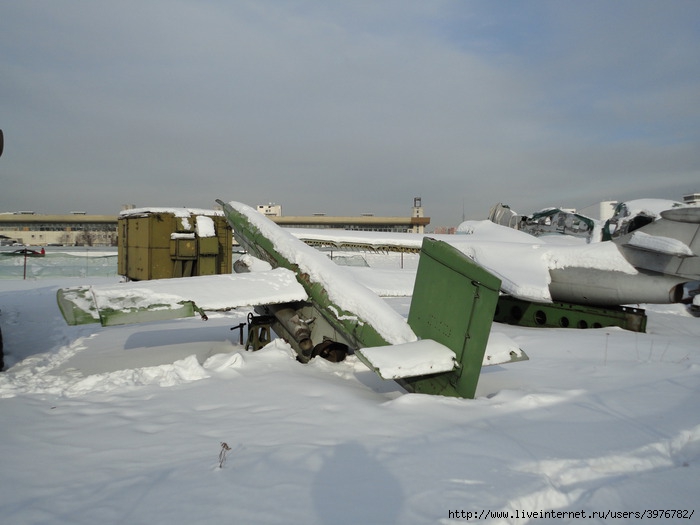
{"type": "Point", "coordinates": [347, 107]}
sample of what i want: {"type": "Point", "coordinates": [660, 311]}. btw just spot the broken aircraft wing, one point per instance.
{"type": "Point", "coordinates": [157, 300]}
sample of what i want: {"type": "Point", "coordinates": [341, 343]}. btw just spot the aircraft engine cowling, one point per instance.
{"type": "Point", "coordinates": [586, 286]}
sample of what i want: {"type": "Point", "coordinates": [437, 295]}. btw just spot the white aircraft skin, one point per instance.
{"type": "Point", "coordinates": [658, 263]}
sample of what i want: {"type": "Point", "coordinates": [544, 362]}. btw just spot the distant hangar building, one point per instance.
{"type": "Point", "coordinates": [80, 229]}
{"type": "Point", "coordinates": [72, 229]}
{"type": "Point", "coordinates": [416, 223]}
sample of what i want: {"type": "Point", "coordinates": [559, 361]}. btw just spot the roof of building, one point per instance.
{"type": "Point", "coordinates": [320, 220]}
{"type": "Point", "coordinates": [31, 217]}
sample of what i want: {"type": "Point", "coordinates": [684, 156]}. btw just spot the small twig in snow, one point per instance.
{"type": "Point", "coordinates": [222, 454]}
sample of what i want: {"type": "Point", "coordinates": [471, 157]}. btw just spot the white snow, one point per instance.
{"type": "Point", "coordinates": [520, 260]}
{"type": "Point", "coordinates": [205, 226]}
{"type": "Point", "coordinates": [375, 239]}
{"type": "Point", "coordinates": [209, 292]}
{"type": "Point", "coordinates": [500, 349]}
{"type": "Point", "coordinates": [125, 425]}
{"type": "Point", "coordinates": [410, 359]}
{"type": "Point", "coordinates": [657, 243]}
{"type": "Point", "coordinates": [385, 282]}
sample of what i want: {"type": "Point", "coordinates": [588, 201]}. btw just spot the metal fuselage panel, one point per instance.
{"type": "Point", "coordinates": [594, 287]}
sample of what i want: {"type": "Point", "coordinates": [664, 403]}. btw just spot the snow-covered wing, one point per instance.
{"type": "Point", "coordinates": [171, 298]}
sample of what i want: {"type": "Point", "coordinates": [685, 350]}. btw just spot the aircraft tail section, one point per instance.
{"type": "Point", "coordinates": [452, 310]}
{"type": "Point", "coordinates": [439, 351]}
{"type": "Point", "coordinates": [453, 303]}
{"type": "Point", "coordinates": [669, 245]}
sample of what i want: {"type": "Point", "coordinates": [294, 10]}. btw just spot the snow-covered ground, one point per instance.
{"type": "Point", "coordinates": [125, 425]}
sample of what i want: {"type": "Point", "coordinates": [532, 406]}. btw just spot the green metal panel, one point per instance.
{"type": "Point", "coordinates": [145, 315]}
{"type": "Point", "coordinates": [566, 315]}
{"type": "Point", "coordinates": [160, 263]}
{"type": "Point", "coordinates": [453, 303]}
{"type": "Point", "coordinates": [136, 254]}
{"type": "Point", "coordinates": [208, 246]}
{"type": "Point", "coordinates": [145, 251]}
{"type": "Point", "coordinates": [206, 265]}
{"type": "Point", "coordinates": [182, 249]}
{"type": "Point", "coordinates": [78, 305]}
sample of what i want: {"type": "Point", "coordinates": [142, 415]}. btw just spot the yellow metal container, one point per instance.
{"type": "Point", "coordinates": [173, 242]}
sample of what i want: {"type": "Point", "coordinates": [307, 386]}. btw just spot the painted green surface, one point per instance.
{"type": "Point", "coordinates": [78, 307]}
{"type": "Point", "coordinates": [453, 303]}
{"type": "Point", "coordinates": [566, 315]}
{"type": "Point", "coordinates": [154, 312]}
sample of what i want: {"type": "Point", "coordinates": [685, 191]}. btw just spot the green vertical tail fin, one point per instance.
{"type": "Point", "coordinates": [453, 303]}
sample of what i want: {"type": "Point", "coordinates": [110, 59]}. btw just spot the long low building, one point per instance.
{"type": "Point", "coordinates": [80, 229]}
{"type": "Point", "coordinates": [72, 229]}
{"type": "Point", "coordinates": [416, 223]}
{"type": "Point", "coordinates": [362, 223]}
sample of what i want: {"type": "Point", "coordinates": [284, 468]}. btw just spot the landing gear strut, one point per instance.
{"type": "Point", "coordinates": [260, 334]}
{"type": "Point", "coordinates": [259, 331]}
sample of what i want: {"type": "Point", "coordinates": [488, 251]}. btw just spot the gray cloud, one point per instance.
{"type": "Point", "coordinates": [347, 107]}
